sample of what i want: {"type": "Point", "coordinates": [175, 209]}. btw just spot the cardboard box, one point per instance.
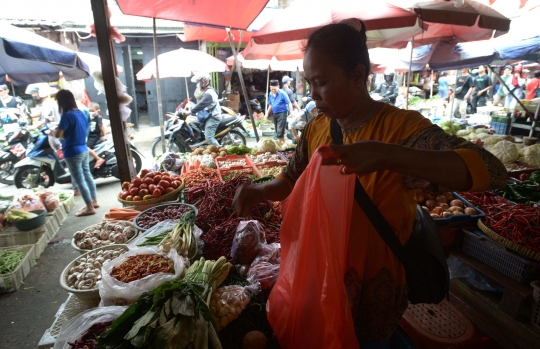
{"type": "Point", "coordinates": [235, 97]}
{"type": "Point", "coordinates": [234, 105]}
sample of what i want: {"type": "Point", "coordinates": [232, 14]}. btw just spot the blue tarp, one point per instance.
{"type": "Point", "coordinates": [28, 58]}
{"type": "Point", "coordinates": [449, 56]}
{"type": "Point", "coordinates": [512, 47]}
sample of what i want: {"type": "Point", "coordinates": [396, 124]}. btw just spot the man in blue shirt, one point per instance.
{"type": "Point", "coordinates": [278, 104]}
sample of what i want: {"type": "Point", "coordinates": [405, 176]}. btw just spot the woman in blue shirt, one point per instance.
{"type": "Point", "coordinates": [72, 128]}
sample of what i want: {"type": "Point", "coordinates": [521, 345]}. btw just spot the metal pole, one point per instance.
{"type": "Point", "coordinates": [267, 92]}
{"type": "Point", "coordinates": [13, 89]}
{"type": "Point", "coordinates": [158, 89]}
{"type": "Point", "coordinates": [187, 91]}
{"type": "Point", "coordinates": [409, 76]}
{"type": "Point", "coordinates": [244, 91]}
{"type": "Point", "coordinates": [431, 82]}
{"type": "Point", "coordinates": [511, 92]}
{"type": "Point", "coordinates": [453, 97]}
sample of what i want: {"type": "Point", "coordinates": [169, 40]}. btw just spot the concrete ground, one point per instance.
{"type": "Point", "coordinates": [26, 313]}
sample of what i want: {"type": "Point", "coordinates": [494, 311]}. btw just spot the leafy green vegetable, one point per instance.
{"type": "Point", "coordinates": [415, 101]}
{"type": "Point", "coordinates": [526, 192]}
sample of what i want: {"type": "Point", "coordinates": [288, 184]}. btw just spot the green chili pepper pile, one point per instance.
{"type": "Point", "coordinates": [526, 192]}
{"type": "Point", "coordinates": [9, 261]}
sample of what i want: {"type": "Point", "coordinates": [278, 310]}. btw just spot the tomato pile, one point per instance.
{"type": "Point", "coordinates": [149, 185]}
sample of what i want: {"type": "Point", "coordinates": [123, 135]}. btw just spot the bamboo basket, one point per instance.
{"type": "Point", "coordinates": [507, 243]}
{"type": "Point", "coordinates": [172, 196]}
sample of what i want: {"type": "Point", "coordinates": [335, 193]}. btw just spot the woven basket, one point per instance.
{"type": "Point", "coordinates": [507, 243]}
{"type": "Point", "coordinates": [173, 195]}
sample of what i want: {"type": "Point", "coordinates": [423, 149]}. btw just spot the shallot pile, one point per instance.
{"type": "Point", "coordinates": [156, 215]}
{"type": "Point", "coordinates": [444, 205]}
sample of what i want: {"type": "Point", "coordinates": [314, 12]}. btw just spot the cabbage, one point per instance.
{"type": "Point", "coordinates": [447, 129]}
{"type": "Point", "coordinates": [456, 127]}
{"type": "Point", "coordinates": [267, 145]}
{"type": "Point", "coordinates": [462, 133]}
{"type": "Point", "coordinates": [506, 151]}
{"type": "Point", "coordinates": [531, 154]}
{"type": "Point", "coordinates": [446, 123]}
{"type": "Point", "coordinates": [482, 135]}
{"type": "Point", "coordinates": [492, 140]}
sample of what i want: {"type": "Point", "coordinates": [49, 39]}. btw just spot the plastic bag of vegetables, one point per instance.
{"type": "Point", "coordinates": [115, 292]}
{"type": "Point", "coordinates": [228, 302]}
{"type": "Point", "coordinates": [171, 162]}
{"type": "Point", "coordinates": [73, 330]}
{"type": "Point", "coordinates": [264, 270]}
{"type": "Point", "coordinates": [247, 242]}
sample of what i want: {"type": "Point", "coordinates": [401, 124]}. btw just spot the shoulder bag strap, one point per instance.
{"type": "Point", "coordinates": [372, 212]}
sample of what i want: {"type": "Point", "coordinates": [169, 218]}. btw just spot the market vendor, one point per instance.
{"type": "Point", "coordinates": [393, 152]}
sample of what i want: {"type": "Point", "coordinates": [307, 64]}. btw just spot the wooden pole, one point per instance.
{"type": "Point", "coordinates": [409, 76]}
{"type": "Point", "coordinates": [108, 69]}
{"type": "Point", "coordinates": [244, 91]}
{"type": "Point", "coordinates": [158, 89]}
{"type": "Point", "coordinates": [267, 91]}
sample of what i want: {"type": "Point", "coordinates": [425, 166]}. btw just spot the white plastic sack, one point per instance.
{"type": "Point", "coordinates": [76, 327]}
{"type": "Point", "coordinates": [114, 292]}
{"type": "Point", "coordinates": [157, 229]}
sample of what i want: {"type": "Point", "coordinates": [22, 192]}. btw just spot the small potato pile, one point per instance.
{"type": "Point", "coordinates": [213, 150]}
{"type": "Point", "coordinates": [442, 205]}
{"type": "Point", "coordinates": [227, 303]}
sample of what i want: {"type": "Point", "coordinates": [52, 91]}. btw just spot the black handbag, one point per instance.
{"type": "Point", "coordinates": [422, 256]}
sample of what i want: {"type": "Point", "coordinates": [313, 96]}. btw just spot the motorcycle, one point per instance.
{"type": "Point", "coordinates": [43, 166]}
{"type": "Point", "coordinates": [13, 151]}
{"type": "Point", "coordinates": [183, 136]}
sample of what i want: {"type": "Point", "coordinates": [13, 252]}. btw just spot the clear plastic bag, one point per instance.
{"type": "Point", "coordinates": [50, 200]}
{"type": "Point", "coordinates": [460, 270]}
{"type": "Point", "coordinates": [76, 327]}
{"type": "Point", "coordinates": [30, 201]}
{"type": "Point", "coordinates": [228, 302]}
{"type": "Point", "coordinates": [309, 306]}
{"type": "Point", "coordinates": [114, 292]}
{"type": "Point", "coordinates": [264, 270]}
{"type": "Point", "coordinates": [171, 162]}
{"type": "Point", "coordinates": [157, 229]}
{"type": "Point", "coordinates": [247, 242]}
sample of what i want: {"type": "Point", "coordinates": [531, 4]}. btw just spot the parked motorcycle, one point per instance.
{"type": "Point", "coordinates": [183, 137]}
{"type": "Point", "coordinates": [13, 151]}
{"type": "Point", "coordinates": [42, 165]}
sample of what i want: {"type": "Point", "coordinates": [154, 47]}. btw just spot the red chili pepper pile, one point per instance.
{"type": "Point", "coordinates": [200, 175]}
{"type": "Point", "coordinates": [217, 219]}
{"type": "Point", "coordinates": [516, 222]}
{"type": "Point", "coordinates": [89, 338]}
{"type": "Point", "coordinates": [140, 266]}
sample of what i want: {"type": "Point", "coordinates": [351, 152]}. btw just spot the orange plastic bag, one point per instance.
{"type": "Point", "coordinates": [308, 306]}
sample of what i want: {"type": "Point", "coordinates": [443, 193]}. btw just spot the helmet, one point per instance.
{"type": "Point", "coordinates": [202, 79]}
{"type": "Point", "coordinates": [310, 106]}
{"type": "Point", "coordinates": [389, 72]}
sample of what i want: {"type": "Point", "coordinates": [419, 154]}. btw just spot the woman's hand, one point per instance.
{"type": "Point", "coordinates": [361, 157]}
{"type": "Point", "coordinates": [246, 197]}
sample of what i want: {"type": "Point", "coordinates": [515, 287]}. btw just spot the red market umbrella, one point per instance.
{"type": "Point", "coordinates": [236, 14]}
{"type": "Point", "coordinates": [471, 13]}
{"type": "Point", "coordinates": [302, 17]}
{"type": "Point", "coordinates": [194, 32]}
{"type": "Point", "coordinates": [181, 63]}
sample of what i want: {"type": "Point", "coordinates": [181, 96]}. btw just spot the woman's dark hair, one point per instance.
{"type": "Point", "coordinates": [346, 45]}
{"type": "Point", "coordinates": [65, 101]}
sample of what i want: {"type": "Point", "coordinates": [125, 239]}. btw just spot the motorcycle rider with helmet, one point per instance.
{"type": "Point", "coordinates": [300, 119]}
{"type": "Point", "coordinates": [207, 109]}
{"type": "Point", "coordinates": [389, 89]}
